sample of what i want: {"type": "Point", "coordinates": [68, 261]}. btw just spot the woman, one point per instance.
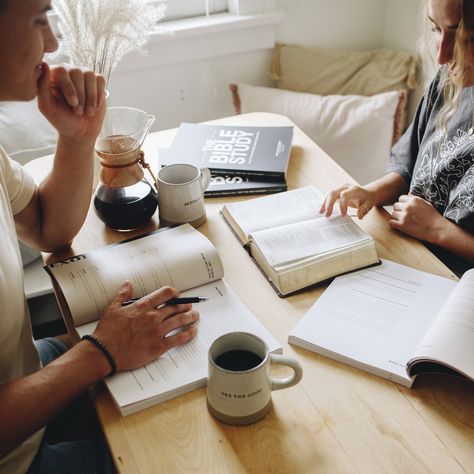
{"type": "Point", "coordinates": [430, 177]}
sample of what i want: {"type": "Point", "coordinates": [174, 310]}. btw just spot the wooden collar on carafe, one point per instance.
{"type": "Point", "coordinates": [135, 161]}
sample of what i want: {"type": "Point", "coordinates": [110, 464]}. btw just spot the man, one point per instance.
{"type": "Point", "coordinates": [48, 218]}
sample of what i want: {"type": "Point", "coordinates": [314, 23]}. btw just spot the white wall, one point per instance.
{"type": "Point", "coordinates": [191, 91]}
{"type": "Point", "coordinates": [402, 30]}
{"type": "Point", "coordinates": [198, 90]}
{"type": "Point", "coordinates": [357, 24]}
{"type": "Point", "coordinates": [402, 24]}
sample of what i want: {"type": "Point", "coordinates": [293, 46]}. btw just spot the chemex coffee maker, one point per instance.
{"type": "Point", "coordinates": [124, 199]}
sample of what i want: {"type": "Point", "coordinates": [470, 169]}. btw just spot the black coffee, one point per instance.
{"type": "Point", "coordinates": [238, 360]}
{"type": "Point", "coordinates": [125, 208]}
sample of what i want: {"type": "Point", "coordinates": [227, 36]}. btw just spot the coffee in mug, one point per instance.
{"type": "Point", "coordinates": [181, 194]}
{"type": "Point", "coordinates": [239, 385]}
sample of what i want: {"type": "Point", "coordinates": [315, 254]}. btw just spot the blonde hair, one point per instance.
{"type": "Point", "coordinates": [451, 81]}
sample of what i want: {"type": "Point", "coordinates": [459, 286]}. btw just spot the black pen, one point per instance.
{"type": "Point", "coordinates": [183, 300]}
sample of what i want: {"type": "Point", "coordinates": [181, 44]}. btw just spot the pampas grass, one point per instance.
{"type": "Point", "coordinates": [97, 33]}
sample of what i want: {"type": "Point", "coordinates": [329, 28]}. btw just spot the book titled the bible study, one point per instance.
{"type": "Point", "coordinates": [395, 322]}
{"type": "Point", "coordinates": [181, 257]}
{"type": "Point", "coordinates": [232, 150]}
{"type": "Point", "coordinates": [223, 184]}
{"type": "Point", "coordinates": [293, 244]}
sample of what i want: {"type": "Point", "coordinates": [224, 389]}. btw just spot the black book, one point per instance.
{"type": "Point", "coordinates": [229, 150]}
{"type": "Point", "coordinates": [228, 185]}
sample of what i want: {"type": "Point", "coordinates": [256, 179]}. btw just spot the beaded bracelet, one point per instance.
{"type": "Point", "coordinates": [104, 350]}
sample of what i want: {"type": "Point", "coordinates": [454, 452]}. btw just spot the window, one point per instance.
{"type": "Point", "coordinates": [189, 8]}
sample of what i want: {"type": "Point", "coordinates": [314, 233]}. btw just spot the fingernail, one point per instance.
{"type": "Point", "coordinates": [90, 110]}
{"type": "Point", "coordinates": [124, 288]}
{"type": "Point", "coordinates": [74, 101]}
{"type": "Point", "coordinates": [79, 110]}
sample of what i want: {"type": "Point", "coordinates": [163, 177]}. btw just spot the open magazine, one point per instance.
{"type": "Point", "coordinates": [394, 321]}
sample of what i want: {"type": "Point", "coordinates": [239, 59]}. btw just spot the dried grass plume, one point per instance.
{"type": "Point", "coordinates": [97, 33]}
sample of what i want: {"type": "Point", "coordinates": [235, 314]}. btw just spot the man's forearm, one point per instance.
{"type": "Point", "coordinates": [29, 403]}
{"type": "Point", "coordinates": [64, 196]}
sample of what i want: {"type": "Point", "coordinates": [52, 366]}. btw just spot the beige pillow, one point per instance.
{"type": "Point", "coordinates": [355, 130]}
{"type": "Point", "coordinates": [327, 71]}
{"type": "Point", "coordinates": [25, 134]}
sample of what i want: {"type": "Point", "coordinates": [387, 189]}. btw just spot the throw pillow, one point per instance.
{"type": "Point", "coordinates": [24, 133]}
{"type": "Point", "coordinates": [327, 71]}
{"type": "Point", "coordinates": [356, 131]}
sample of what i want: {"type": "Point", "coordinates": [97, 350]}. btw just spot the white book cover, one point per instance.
{"type": "Point", "coordinates": [376, 319]}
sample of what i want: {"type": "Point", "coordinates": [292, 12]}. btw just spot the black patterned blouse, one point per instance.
{"type": "Point", "coordinates": [439, 164]}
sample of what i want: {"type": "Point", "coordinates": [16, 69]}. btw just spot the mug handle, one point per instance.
{"type": "Point", "coordinates": [292, 379]}
{"type": "Point", "coordinates": [205, 178]}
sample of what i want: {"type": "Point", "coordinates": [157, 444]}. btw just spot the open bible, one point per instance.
{"type": "Point", "coordinates": [294, 245]}
{"type": "Point", "coordinates": [395, 322]}
{"type": "Point", "coordinates": [181, 257]}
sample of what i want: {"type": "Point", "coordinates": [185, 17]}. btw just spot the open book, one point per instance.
{"type": "Point", "coordinates": [394, 321]}
{"type": "Point", "coordinates": [293, 244]}
{"type": "Point", "coordinates": [181, 257]}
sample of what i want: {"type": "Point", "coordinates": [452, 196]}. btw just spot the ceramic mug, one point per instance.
{"type": "Point", "coordinates": [239, 385]}
{"type": "Point", "coordinates": [181, 194]}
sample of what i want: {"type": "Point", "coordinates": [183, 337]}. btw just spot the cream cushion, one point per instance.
{"type": "Point", "coordinates": [354, 130]}
{"type": "Point", "coordinates": [326, 71]}
{"type": "Point", "coordinates": [332, 71]}
{"type": "Point", "coordinates": [24, 132]}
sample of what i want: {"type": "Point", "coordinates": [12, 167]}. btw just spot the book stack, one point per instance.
{"type": "Point", "coordinates": [242, 160]}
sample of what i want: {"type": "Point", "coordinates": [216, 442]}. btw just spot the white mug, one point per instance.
{"type": "Point", "coordinates": [181, 194]}
{"type": "Point", "coordinates": [239, 384]}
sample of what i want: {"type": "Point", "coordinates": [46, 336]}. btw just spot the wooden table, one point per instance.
{"type": "Point", "coordinates": [338, 419]}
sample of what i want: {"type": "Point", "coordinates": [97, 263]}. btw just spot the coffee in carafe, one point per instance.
{"type": "Point", "coordinates": [124, 199]}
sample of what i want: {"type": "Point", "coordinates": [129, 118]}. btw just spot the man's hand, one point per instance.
{"type": "Point", "coordinates": [138, 333]}
{"type": "Point", "coordinates": [73, 100]}
{"type": "Point", "coordinates": [414, 216]}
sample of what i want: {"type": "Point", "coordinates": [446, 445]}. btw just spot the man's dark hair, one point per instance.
{"type": "Point", "coordinates": [3, 6]}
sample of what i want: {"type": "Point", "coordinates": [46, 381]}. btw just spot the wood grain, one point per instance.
{"type": "Point", "coordinates": [338, 419]}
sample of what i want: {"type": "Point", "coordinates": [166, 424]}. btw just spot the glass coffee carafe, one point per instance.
{"type": "Point", "coordinates": [124, 199]}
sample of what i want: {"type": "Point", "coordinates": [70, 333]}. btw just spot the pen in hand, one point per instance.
{"type": "Point", "coordinates": [183, 300]}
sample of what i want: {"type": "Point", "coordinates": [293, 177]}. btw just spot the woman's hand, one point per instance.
{"type": "Point", "coordinates": [414, 216]}
{"type": "Point", "coordinates": [140, 332]}
{"type": "Point", "coordinates": [73, 100]}
{"type": "Point", "coordinates": [348, 196]}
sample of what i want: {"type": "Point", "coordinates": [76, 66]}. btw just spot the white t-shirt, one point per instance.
{"type": "Point", "coordinates": [18, 355]}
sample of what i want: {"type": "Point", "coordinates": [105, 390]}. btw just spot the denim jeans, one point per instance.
{"type": "Point", "coordinates": [60, 451]}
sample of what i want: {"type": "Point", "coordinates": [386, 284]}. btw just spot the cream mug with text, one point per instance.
{"type": "Point", "coordinates": [181, 194]}
{"type": "Point", "coordinates": [239, 384]}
